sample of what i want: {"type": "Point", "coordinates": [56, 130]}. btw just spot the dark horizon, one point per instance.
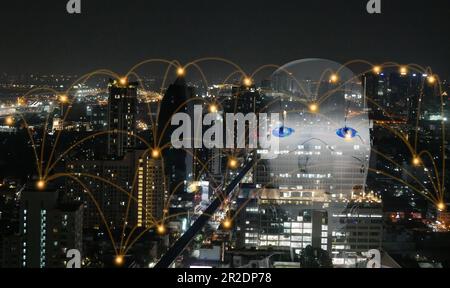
{"type": "Point", "coordinates": [40, 37]}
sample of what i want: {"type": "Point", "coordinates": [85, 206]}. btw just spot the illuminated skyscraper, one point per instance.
{"type": "Point", "coordinates": [122, 108]}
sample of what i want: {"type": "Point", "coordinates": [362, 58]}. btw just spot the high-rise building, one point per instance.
{"type": "Point", "coordinates": [47, 230]}
{"type": "Point", "coordinates": [122, 105]}
{"type": "Point", "coordinates": [178, 165]}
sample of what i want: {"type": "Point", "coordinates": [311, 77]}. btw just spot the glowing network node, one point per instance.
{"type": "Point", "coordinates": [227, 223]}
{"type": "Point", "coordinates": [63, 99]}
{"type": "Point", "coordinates": [282, 132]}
{"type": "Point", "coordinates": [119, 260]}
{"type": "Point", "coordinates": [9, 121]}
{"type": "Point", "coordinates": [213, 108]}
{"type": "Point", "coordinates": [441, 206]}
{"type": "Point", "coordinates": [334, 78]}
{"type": "Point", "coordinates": [377, 69]}
{"type": "Point", "coordinates": [181, 71]}
{"type": "Point", "coordinates": [161, 229]}
{"type": "Point", "coordinates": [123, 81]}
{"type": "Point", "coordinates": [313, 107]}
{"type": "Point", "coordinates": [403, 70]}
{"type": "Point", "coordinates": [248, 81]}
{"type": "Point", "coordinates": [41, 184]}
{"type": "Point", "coordinates": [233, 163]}
{"type": "Point", "coordinates": [156, 153]}
{"type": "Point", "coordinates": [431, 79]}
{"type": "Point", "coordinates": [416, 161]}
{"type": "Point", "coordinates": [347, 133]}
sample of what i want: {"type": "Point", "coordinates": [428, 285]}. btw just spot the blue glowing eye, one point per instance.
{"type": "Point", "coordinates": [282, 132]}
{"type": "Point", "coordinates": [346, 132]}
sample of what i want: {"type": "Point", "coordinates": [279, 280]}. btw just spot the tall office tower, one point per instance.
{"type": "Point", "coordinates": [122, 105]}
{"type": "Point", "coordinates": [324, 144]}
{"type": "Point", "coordinates": [177, 165]}
{"type": "Point", "coordinates": [136, 174]}
{"type": "Point", "coordinates": [48, 229]}
{"type": "Point", "coordinates": [112, 194]}
{"type": "Point", "coordinates": [151, 193]}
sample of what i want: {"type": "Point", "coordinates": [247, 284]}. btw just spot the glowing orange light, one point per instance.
{"type": "Point", "coordinates": [156, 153]}
{"type": "Point", "coordinates": [119, 260]}
{"type": "Point", "coordinates": [41, 184]}
{"type": "Point", "coordinates": [161, 229]}
{"type": "Point", "coordinates": [63, 99]}
{"type": "Point", "coordinates": [334, 78]}
{"type": "Point", "coordinates": [377, 69]}
{"type": "Point", "coordinates": [123, 81]}
{"type": "Point", "coordinates": [9, 121]}
{"type": "Point", "coordinates": [233, 163]}
{"type": "Point", "coordinates": [403, 70]}
{"type": "Point", "coordinates": [213, 108]}
{"type": "Point", "coordinates": [248, 81]}
{"type": "Point", "coordinates": [431, 79]}
{"type": "Point", "coordinates": [313, 107]}
{"type": "Point", "coordinates": [227, 223]}
{"type": "Point", "coordinates": [180, 71]}
{"type": "Point", "coordinates": [441, 206]}
{"type": "Point", "coordinates": [416, 161]}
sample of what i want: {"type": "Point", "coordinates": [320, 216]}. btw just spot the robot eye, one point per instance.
{"type": "Point", "coordinates": [346, 133]}
{"type": "Point", "coordinates": [282, 132]}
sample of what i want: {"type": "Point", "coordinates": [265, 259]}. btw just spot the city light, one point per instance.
{"type": "Point", "coordinates": [334, 78]}
{"type": "Point", "coordinates": [213, 108]}
{"type": "Point", "coordinates": [403, 70]}
{"type": "Point", "coordinates": [227, 223]}
{"type": "Point", "coordinates": [441, 206]}
{"type": "Point", "coordinates": [119, 260]}
{"type": "Point", "coordinates": [377, 69]}
{"type": "Point", "coordinates": [123, 81]}
{"type": "Point", "coordinates": [233, 163]}
{"type": "Point", "coordinates": [181, 71]}
{"type": "Point", "coordinates": [431, 79]}
{"type": "Point", "coordinates": [161, 229]}
{"type": "Point", "coordinates": [63, 99]}
{"type": "Point", "coordinates": [41, 184]}
{"type": "Point", "coordinates": [156, 153]}
{"type": "Point", "coordinates": [313, 107]}
{"type": "Point", "coordinates": [9, 121]}
{"type": "Point", "coordinates": [416, 161]}
{"type": "Point", "coordinates": [248, 81]}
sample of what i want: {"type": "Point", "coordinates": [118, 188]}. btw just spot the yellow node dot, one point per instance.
{"type": "Point", "coordinates": [213, 108]}
{"type": "Point", "coordinates": [416, 161]}
{"type": "Point", "coordinates": [227, 223]}
{"type": "Point", "coordinates": [441, 206]}
{"type": "Point", "coordinates": [376, 69]}
{"type": "Point", "coordinates": [403, 70]}
{"type": "Point", "coordinates": [63, 99]}
{"type": "Point", "coordinates": [334, 78]}
{"type": "Point", "coordinates": [233, 163]}
{"type": "Point", "coordinates": [156, 153]}
{"type": "Point", "coordinates": [119, 260]}
{"type": "Point", "coordinates": [313, 107]}
{"type": "Point", "coordinates": [9, 121]}
{"type": "Point", "coordinates": [181, 71]}
{"type": "Point", "coordinates": [161, 229]}
{"type": "Point", "coordinates": [248, 81]}
{"type": "Point", "coordinates": [431, 79]}
{"type": "Point", "coordinates": [123, 81]}
{"type": "Point", "coordinates": [41, 184]}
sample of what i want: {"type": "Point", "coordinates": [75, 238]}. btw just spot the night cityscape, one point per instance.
{"type": "Point", "coordinates": [285, 151]}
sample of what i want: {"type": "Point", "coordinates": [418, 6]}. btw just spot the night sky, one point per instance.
{"type": "Point", "coordinates": [39, 36]}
